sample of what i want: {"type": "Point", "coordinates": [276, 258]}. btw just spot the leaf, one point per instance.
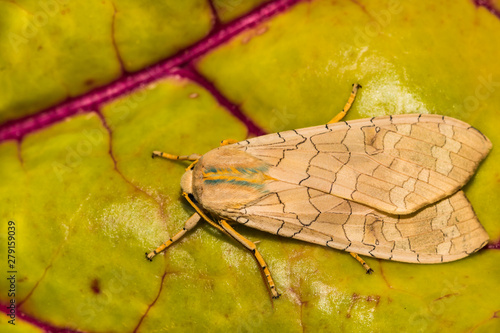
{"type": "Point", "coordinates": [83, 45]}
{"type": "Point", "coordinates": [88, 201]}
{"type": "Point", "coordinates": [228, 10]}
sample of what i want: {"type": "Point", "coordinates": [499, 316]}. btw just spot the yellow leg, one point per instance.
{"type": "Point", "coordinates": [190, 223]}
{"type": "Point", "coordinates": [362, 262]}
{"type": "Point", "coordinates": [192, 157]}
{"type": "Point", "coordinates": [228, 230]}
{"type": "Point", "coordinates": [251, 246]}
{"type": "Point", "coordinates": [348, 105]}
{"type": "Point", "coordinates": [227, 142]}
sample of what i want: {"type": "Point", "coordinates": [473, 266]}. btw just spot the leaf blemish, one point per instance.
{"type": "Point", "coordinates": [95, 286]}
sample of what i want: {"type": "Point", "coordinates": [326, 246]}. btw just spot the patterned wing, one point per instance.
{"type": "Point", "coordinates": [397, 164]}
{"type": "Point", "coordinates": [445, 231]}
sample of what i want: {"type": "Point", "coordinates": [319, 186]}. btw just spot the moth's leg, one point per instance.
{"type": "Point", "coordinates": [348, 105]}
{"type": "Point", "coordinates": [251, 246]}
{"type": "Point", "coordinates": [192, 157]}
{"type": "Point", "coordinates": [227, 142]}
{"type": "Point", "coordinates": [362, 262]}
{"type": "Point", "coordinates": [228, 230]}
{"type": "Point", "coordinates": [190, 223]}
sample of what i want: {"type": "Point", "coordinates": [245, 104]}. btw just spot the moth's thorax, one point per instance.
{"type": "Point", "coordinates": [187, 182]}
{"type": "Point", "coordinates": [227, 177]}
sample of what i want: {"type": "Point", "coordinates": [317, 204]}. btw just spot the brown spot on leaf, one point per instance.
{"type": "Point", "coordinates": [89, 82]}
{"type": "Point", "coordinates": [354, 299]}
{"type": "Point", "coordinates": [373, 298]}
{"type": "Point", "coordinates": [95, 286]}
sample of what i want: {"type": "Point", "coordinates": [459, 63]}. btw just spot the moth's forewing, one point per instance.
{"type": "Point", "coordinates": [340, 186]}
{"type": "Point", "coordinates": [397, 164]}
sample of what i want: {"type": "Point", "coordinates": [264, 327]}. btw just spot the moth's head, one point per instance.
{"type": "Point", "coordinates": [187, 181]}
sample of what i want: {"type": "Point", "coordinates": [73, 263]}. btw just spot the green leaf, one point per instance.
{"type": "Point", "coordinates": [54, 50]}
{"type": "Point", "coordinates": [88, 201]}
{"type": "Point", "coordinates": [228, 10]}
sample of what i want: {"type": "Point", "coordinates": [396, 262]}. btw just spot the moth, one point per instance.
{"type": "Point", "coordinates": [386, 187]}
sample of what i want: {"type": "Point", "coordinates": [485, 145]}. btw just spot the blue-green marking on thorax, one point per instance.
{"type": "Point", "coordinates": [239, 176]}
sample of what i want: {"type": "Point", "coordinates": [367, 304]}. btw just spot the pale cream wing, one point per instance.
{"type": "Point", "coordinates": [397, 164]}
{"type": "Point", "coordinates": [445, 231]}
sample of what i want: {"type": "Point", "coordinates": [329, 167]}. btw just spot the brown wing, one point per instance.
{"type": "Point", "coordinates": [445, 231]}
{"type": "Point", "coordinates": [396, 164]}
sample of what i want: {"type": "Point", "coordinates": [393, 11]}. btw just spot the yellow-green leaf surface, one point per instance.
{"type": "Point", "coordinates": [88, 201]}
{"type": "Point", "coordinates": [228, 10]}
{"type": "Point", "coordinates": [53, 50]}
